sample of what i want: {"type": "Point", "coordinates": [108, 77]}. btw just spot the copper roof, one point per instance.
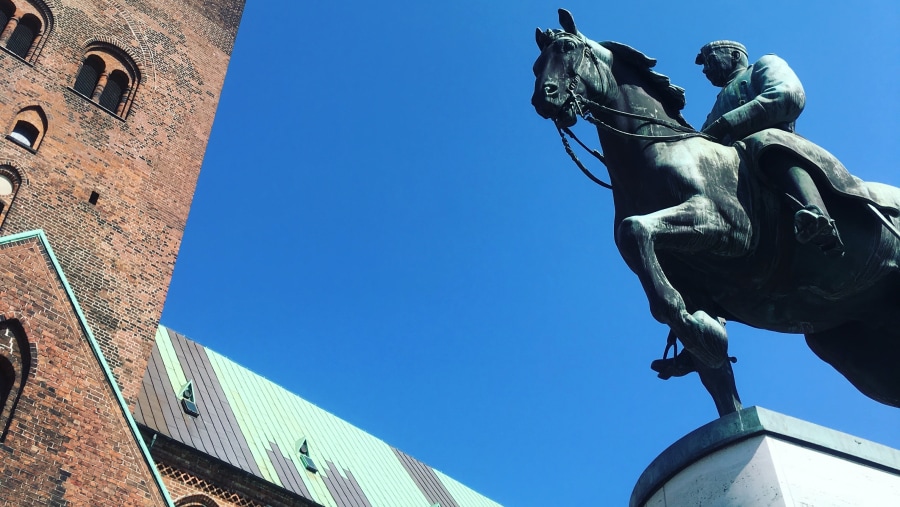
{"type": "Point", "coordinates": [257, 426]}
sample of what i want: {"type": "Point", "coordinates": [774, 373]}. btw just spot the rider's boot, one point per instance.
{"type": "Point", "coordinates": [814, 226]}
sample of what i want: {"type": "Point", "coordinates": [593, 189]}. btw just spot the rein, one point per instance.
{"type": "Point", "coordinates": [587, 113]}
{"type": "Point", "coordinates": [685, 133]}
{"type": "Point", "coordinates": [563, 132]}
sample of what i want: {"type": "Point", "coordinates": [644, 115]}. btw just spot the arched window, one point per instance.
{"type": "Point", "coordinates": [28, 128]}
{"type": "Point", "coordinates": [7, 10]}
{"type": "Point", "coordinates": [24, 35]}
{"type": "Point", "coordinates": [91, 69]}
{"type": "Point", "coordinates": [15, 366]}
{"type": "Point", "coordinates": [108, 77]}
{"type": "Point", "coordinates": [25, 25]}
{"type": "Point", "coordinates": [114, 90]}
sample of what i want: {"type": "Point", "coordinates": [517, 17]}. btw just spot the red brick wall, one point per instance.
{"type": "Point", "coordinates": [68, 441]}
{"type": "Point", "coordinates": [118, 255]}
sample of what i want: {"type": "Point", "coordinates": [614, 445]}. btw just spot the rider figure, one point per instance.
{"type": "Point", "coordinates": [765, 95]}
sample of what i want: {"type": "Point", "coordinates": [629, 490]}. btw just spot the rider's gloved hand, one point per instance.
{"type": "Point", "coordinates": [721, 130]}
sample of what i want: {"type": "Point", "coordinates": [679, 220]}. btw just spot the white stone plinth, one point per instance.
{"type": "Point", "coordinates": [761, 458]}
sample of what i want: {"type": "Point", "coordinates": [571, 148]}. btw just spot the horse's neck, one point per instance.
{"type": "Point", "coordinates": [620, 150]}
{"type": "Point", "coordinates": [635, 95]}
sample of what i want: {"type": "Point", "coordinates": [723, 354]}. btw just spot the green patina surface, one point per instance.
{"type": "Point", "coordinates": [273, 421]}
{"type": "Point", "coordinates": [173, 366]}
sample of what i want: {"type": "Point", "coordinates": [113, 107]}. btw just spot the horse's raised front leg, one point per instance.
{"type": "Point", "coordinates": [691, 227]}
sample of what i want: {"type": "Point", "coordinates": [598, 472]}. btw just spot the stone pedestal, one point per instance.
{"type": "Point", "coordinates": [756, 457]}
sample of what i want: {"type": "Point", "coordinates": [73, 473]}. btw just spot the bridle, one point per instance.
{"type": "Point", "coordinates": [585, 108]}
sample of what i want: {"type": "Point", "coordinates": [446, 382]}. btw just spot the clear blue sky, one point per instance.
{"type": "Point", "coordinates": [384, 226]}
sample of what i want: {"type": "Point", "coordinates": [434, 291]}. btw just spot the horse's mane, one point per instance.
{"type": "Point", "coordinates": [672, 96]}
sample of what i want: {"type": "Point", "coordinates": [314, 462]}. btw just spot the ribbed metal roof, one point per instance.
{"type": "Point", "coordinates": [257, 426]}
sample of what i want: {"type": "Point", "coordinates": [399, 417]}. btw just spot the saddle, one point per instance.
{"type": "Point", "coordinates": [824, 167]}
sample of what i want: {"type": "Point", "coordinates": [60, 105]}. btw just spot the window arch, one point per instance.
{"type": "Point", "coordinates": [15, 366]}
{"type": "Point", "coordinates": [23, 35]}
{"type": "Point", "coordinates": [28, 128]}
{"type": "Point", "coordinates": [108, 77]}
{"type": "Point", "coordinates": [196, 501]}
{"type": "Point", "coordinates": [24, 25]}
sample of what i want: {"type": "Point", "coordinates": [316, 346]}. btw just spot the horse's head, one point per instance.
{"type": "Point", "coordinates": [570, 65]}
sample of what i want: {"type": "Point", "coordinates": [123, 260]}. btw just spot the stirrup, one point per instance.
{"type": "Point", "coordinates": [812, 225]}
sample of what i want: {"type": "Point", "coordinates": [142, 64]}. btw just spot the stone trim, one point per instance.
{"type": "Point", "coordinates": [748, 423]}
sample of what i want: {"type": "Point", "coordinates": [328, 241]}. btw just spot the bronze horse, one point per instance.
{"type": "Point", "coordinates": [711, 240]}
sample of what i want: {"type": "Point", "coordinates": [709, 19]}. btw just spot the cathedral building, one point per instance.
{"type": "Point", "coordinates": [107, 106]}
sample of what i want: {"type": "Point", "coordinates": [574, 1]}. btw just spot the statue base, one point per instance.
{"type": "Point", "coordinates": [760, 457]}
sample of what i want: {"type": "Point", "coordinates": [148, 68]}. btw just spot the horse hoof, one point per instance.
{"type": "Point", "coordinates": [711, 340]}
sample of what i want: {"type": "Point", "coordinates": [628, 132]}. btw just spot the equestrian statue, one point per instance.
{"type": "Point", "coordinates": [742, 221]}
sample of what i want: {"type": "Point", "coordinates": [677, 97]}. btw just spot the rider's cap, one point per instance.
{"type": "Point", "coordinates": [719, 44]}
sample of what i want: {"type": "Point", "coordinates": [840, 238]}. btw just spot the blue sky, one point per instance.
{"type": "Point", "coordinates": [384, 226]}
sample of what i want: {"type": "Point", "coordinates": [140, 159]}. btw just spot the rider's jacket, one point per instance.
{"type": "Point", "coordinates": [764, 95]}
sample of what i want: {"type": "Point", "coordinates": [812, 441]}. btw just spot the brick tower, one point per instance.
{"type": "Point", "coordinates": [107, 106]}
